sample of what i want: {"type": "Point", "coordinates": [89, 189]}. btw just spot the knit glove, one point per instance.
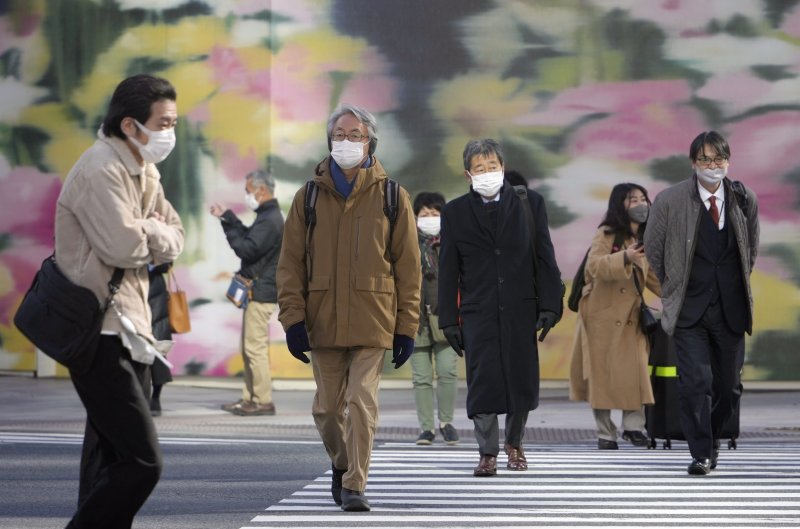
{"type": "Point", "coordinates": [297, 341]}
{"type": "Point", "coordinates": [403, 347]}
{"type": "Point", "coordinates": [454, 338]}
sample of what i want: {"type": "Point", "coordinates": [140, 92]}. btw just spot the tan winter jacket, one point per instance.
{"type": "Point", "coordinates": [103, 222]}
{"type": "Point", "coordinates": [351, 298]}
{"type": "Point", "coordinates": [609, 365]}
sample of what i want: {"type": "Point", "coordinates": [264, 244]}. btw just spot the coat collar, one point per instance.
{"type": "Point", "coordinates": [366, 177]}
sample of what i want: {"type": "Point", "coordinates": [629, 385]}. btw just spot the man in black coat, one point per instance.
{"type": "Point", "coordinates": [493, 299]}
{"type": "Point", "coordinates": [258, 246]}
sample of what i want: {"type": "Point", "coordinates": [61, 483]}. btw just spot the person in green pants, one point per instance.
{"type": "Point", "coordinates": [432, 352]}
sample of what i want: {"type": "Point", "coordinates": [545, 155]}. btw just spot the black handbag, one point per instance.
{"type": "Point", "coordinates": [63, 319]}
{"type": "Point", "coordinates": [647, 321]}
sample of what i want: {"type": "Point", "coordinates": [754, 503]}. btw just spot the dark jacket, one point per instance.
{"type": "Point", "coordinates": [500, 301]}
{"type": "Point", "coordinates": [258, 246]}
{"type": "Point", "coordinates": [157, 298]}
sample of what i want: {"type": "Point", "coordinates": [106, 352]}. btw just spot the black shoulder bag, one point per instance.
{"type": "Point", "coordinates": [63, 319]}
{"type": "Point", "coordinates": [647, 321]}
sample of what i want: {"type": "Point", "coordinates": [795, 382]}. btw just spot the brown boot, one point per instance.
{"type": "Point", "coordinates": [248, 409]}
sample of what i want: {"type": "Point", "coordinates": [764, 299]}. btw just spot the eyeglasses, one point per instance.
{"type": "Point", "coordinates": [353, 136]}
{"type": "Point", "coordinates": [719, 160]}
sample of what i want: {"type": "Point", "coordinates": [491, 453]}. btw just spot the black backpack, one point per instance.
{"type": "Point", "coordinates": [576, 292]}
{"type": "Point", "coordinates": [391, 199]}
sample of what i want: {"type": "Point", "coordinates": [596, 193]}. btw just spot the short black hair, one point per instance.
{"type": "Point", "coordinates": [134, 97]}
{"type": "Point", "coordinates": [515, 178]}
{"type": "Point", "coordinates": [428, 199]}
{"type": "Point", "coordinates": [616, 218]}
{"type": "Point", "coordinates": [714, 140]}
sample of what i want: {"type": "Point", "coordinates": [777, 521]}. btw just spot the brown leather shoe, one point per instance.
{"type": "Point", "coordinates": [247, 409]}
{"type": "Point", "coordinates": [516, 458]}
{"type": "Point", "coordinates": [229, 407]}
{"type": "Point", "coordinates": [487, 467]}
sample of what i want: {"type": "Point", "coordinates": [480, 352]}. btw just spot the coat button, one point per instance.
{"type": "Point", "coordinates": [622, 290]}
{"type": "Point", "coordinates": [497, 251]}
{"type": "Point", "coordinates": [500, 280]}
{"type": "Point", "coordinates": [630, 323]}
{"type": "Point", "coordinates": [501, 307]}
{"type": "Point", "coordinates": [619, 324]}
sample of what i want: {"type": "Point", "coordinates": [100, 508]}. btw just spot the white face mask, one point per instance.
{"type": "Point", "coordinates": [429, 225]}
{"type": "Point", "coordinates": [251, 201]}
{"type": "Point", "coordinates": [487, 184]}
{"type": "Point", "coordinates": [712, 177]}
{"type": "Point", "coordinates": [347, 154]}
{"type": "Point", "coordinates": [159, 144]}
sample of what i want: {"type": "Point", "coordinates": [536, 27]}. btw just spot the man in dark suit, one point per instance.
{"type": "Point", "coordinates": [509, 287]}
{"type": "Point", "coordinates": [708, 304]}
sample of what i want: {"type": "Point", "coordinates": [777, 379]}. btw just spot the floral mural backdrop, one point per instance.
{"type": "Point", "coordinates": [582, 94]}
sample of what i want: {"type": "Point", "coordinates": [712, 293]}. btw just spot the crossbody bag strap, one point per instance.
{"type": "Point", "coordinates": [113, 285]}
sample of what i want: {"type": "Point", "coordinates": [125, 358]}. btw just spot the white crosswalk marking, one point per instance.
{"type": "Point", "coordinates": [572, 485]}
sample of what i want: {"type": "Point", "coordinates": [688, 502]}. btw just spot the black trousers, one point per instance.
{"type": "Point", "coordinates": [487, 431]}
{"type": "Point", "coordinates": [710, 360]}
{"type": "Point", "coordinates": [121, 459]}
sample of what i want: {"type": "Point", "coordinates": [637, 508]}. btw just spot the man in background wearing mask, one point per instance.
{"type": "Point", "coordinates": [707, 303]}
{"type": "Point", "coordinates": [349, 290]}
{"type": "Point", "coordinates": [258, 246]}
{"type": "Point", "coordinates": [487, 259]}
{"type": "Point", "coordinates": [112, 213]}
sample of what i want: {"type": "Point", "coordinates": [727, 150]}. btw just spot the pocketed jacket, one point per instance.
{"type": "Point", "coordinates": [104, 220]}
{"type": "Point", "coordinates": [347, 292]}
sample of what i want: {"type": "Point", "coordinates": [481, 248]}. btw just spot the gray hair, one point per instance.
{"type": "Point", "coordinates": [484, 147]}
{"type": "Point", "coordinates": [361, 115]}
{"type": "Point", "coordinates": [264, 178]}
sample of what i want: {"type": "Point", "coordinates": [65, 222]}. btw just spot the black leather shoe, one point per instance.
{"type": "Point", "coordinates": [354, 501]}
{"type": "Point", "coordinates": [715, 454]}
{"type": "Point", "coordinates": [605, 444]}
{"type": "Point", "coordinates": [635, 437]}
{"type": "Point", "coordinates": [336, 484]}
{"type": "Point", "coordinates": [699, 467]}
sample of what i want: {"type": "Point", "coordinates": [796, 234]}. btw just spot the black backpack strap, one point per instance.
{"type": "Point", "coordinates": [522, 194]}
{"type": "Point", "coordinates": [310, 212]}
{"type": "Point", "coordinates": [740, 194]}
{"type": "Point", "coordinates": [391, 201]}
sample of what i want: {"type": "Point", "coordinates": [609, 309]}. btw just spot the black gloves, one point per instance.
{"type": "Point", "coordinates": [402, 348]}
{"type": "Point", "coordinates": [297, 341]}
{"type": "Point", "coordinates": [546, 321]}
{"type": "Point", "coordinates": [454, 338]}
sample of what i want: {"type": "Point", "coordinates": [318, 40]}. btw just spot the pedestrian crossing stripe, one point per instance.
{"type": "Point", "coordinates": [566, 485]}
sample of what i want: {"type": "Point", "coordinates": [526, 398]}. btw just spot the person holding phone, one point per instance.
{"type": "Point", "coordinates": [609, 367]}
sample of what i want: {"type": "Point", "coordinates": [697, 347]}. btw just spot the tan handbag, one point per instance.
{"type": "Point", "coordinates": [177, 307]}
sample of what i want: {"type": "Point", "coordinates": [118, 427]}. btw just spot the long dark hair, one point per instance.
{"type": "Point", "coordinates": [616, 219]}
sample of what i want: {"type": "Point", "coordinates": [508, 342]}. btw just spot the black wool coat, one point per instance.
{"type": "Point", "coordinates": [500, 300]}
{"type": "Point", "coordinates": [258, 246]}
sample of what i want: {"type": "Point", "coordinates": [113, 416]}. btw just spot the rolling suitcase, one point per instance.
{"type": "Point", "coordinates": [662, 419]}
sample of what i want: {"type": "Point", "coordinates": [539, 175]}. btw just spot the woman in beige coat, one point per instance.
{"type": "Point", "coordinates": [610, 357]}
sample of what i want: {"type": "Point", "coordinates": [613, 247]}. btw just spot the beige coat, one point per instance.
{"type": "Point", "coordinates": [351, 298]}
{"type": "Point", "coordinates": [610, 356]}
{"type": "Point", "coordinates": [103, 222]}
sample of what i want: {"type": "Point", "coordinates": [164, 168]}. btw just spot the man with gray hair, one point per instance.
{"type": "Point", "coordinates": [258, 246]}
{"type": "Point", "coordinates": [349, 278]}
{"type": "Point", "coordinates": [498, 285]}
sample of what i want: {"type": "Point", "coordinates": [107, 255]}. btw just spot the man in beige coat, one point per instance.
{"type": "Point", "coordinates": [112, 213]}
{"type": "Point", "coordinates": [348, 289]}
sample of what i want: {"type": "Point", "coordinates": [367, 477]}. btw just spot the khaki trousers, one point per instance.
{"type": "Point", "coordinates": [255, 352]}
{"type": "Point", "coordinates": [345, 407]}
{"type": "Point", "coordinates": [632, 420]}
